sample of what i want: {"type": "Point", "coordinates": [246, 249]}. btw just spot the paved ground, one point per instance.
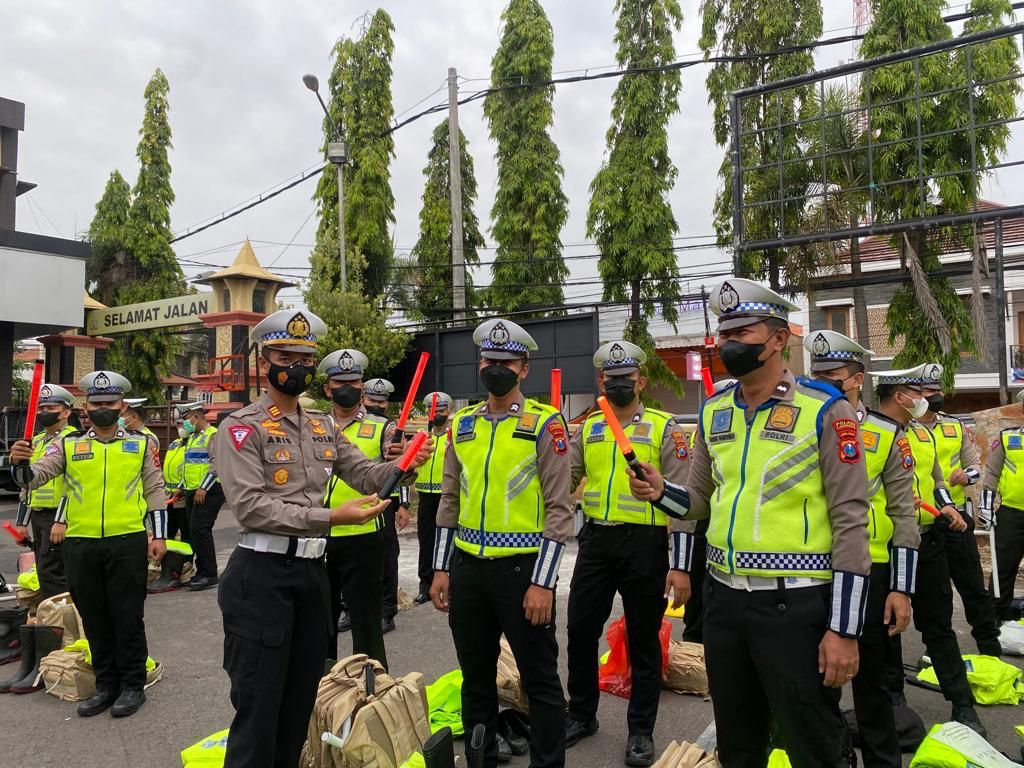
{"type": "Point", "coordinates": [38, 731]}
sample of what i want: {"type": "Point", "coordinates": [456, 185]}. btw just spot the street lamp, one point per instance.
{"type": "Point", "coordinates": [337, 153]}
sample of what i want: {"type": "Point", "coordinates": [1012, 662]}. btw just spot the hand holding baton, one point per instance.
{"type": "Point", "coordinates": [410, 398]}
{"type": "Point", "coordinates": [33, 402]}
{"type": "Point", "coordinates": [403, 464]}
{"type": "Point", "coordinates": [620, 437]}
{"type": "Point", "coordinates": [24, 541]}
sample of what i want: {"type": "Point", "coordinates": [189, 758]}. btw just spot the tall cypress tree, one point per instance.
{"type": "Point", "coordinates": [432, 253]}
{"type": "Point", "coordinates": [630, 216]}
{"type": "Point", "coordinates": [530, 208]}
{"type": "Point", "coordinates": [108, 267]}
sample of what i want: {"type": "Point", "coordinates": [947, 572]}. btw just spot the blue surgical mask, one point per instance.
{"type": "Point", "coordinates": [121, 422]}
{"type": "Point", "coordinates": [188, 427]}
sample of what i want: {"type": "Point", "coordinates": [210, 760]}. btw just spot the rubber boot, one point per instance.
{"type": "Point", "coordinates": [170, 573]}
{"type": "Point", "coordinates": [28, 649]}
{"type": "Point", "coordinates": [11, 621]}
{"type": "Point", "coordinates": [47, 640]}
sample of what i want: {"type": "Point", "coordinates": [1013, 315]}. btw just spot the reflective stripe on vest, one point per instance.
{"type": "Point", "coordinates": [922, 445]}
{"type": "Point", "coordinates": [501, 509]}
{"type": "Point", "coordinates": [949, 440]}
{"type": "Point", "coordinates": [366, 435]}
{"type": "Point", "coordinates": [174, 465]}
{"type": "Point", "coordinates": [431, 474]}
{"type": "Point", "coordinates": [48, 495]}
{"type": "Point", "coordinates": [769, 514]}
{"type": "Point", "coordinates": [1011, 479]}
{"type": "Point", "coordinates": [103, 485]}
{"type": "Point", "coordinates": [878, 436]}
{"type": "Point", "coordinates": [197, 458]}
{"type": "Point", "coordinates": [607, 496]}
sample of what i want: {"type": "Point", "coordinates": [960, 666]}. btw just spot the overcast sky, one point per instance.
{"type": "Point", "coordinates": [243, 123]}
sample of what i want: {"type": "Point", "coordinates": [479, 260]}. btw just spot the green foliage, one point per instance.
{"type": "Point", "coordinates": [105, 271]}
{"type": "Point", "coordinates": [433, 251]}
{"type": "Point", "coordinates": [360, 104]}
{"type": "Point", "coordinates": [630, 216]}
{"type": "Point", "coordinates": [529, 207]}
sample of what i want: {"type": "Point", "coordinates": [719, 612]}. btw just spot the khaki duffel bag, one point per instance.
{"type": "Point", "coordinates": [686, 671]}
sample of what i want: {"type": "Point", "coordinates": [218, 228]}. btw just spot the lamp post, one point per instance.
{"type": "Point", "coordinates": [337, 153]}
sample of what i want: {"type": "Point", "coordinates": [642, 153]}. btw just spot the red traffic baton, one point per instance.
{"type": "Point", "coordinates": [33, 401]}
{"type": "Point", "coordinates": [24, 541]}
{"type": "Point", "coordinates": [433, 408]}
{"type": "Point", "coordinates": [709, 386]}
{"type": "Point", "coordinates": [556, 388]}
{"type": "Point", "coordinates": [410, 398]}
{"type": "Point", "coordinates": [403, 464]}
{"type": "Point", "coordinates": [620, 437]}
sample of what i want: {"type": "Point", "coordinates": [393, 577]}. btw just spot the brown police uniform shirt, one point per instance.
{"type": "Point", "coordinates": [274, 468]}
{"type": "Point", "coordinates": [402, 491]}
{"type": "Point", "coordinates": [552, 472]}
{"type": "Point", "coordinates": [898, 482]}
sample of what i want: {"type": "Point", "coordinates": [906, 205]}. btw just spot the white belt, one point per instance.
{"type": "Point", "coordinates": [763, 583]}
{"type": "Point", "coordinates": [307, 549]}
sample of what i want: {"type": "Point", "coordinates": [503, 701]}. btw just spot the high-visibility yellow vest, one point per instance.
{"type": "Point", "coordinates": [769, 514]}
{"type": "Point", "coordinates": [197, 457]}
{"type": "Point", "coordinates": [501, 509]}
{"type": "Point", "coordinates": [430, 475]}
{"type": "Point", "coordinates": [878, 435]}
{"type": "Point", "coordinates": [366, 435]}
{"type": "Point", "coordinates": [1011, 479]}
{"type": "Point", "coordinates": [922, 445]}
{"type": "Point", "coordinates": [607, 496]}
{"type": "Point", "coordinates": [949, 440]}
{"type": "Point", "coordinates": [174, 465]}
{"type": "Point", "coordinates": [103, 485]}
{"type": "Point", "coordinates": [47, 496]}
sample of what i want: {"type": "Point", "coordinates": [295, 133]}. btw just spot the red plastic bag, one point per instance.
{"type": "Point", "coordinates": [615, 676]}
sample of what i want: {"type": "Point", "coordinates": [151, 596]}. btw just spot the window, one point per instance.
{"type": "Point", "coordinates": [259, 300]}
{"type": "Point", "coordinates": [227, 301]}
{"type": "Point", "coordinates": [838, 319]}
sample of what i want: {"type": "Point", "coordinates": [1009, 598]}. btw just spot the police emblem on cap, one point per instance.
{"type": "Point", "coordinates": [499, 335]}
{"type": "Point", "coordinates": [616, 354]}
{"type": "Point", "coordinates": [820, 346]}
{"type": "Point", "coordinates": [727, 297]}
{"type": "Point", "coordinates": [101, 381]}
{"type": "Point", "coordinates": [933, 372]}
{"type": "Point", "coordinates": [346, 362]}
{"type": "Point", "coordinates": [45, 391]}
{"type": "Point", "coordinates": [298, 327]}
{"type": "Point", "coordinates": [378, 387]}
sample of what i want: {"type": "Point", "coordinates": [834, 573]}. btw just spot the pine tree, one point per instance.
{"type": "Point", "coordinates": [630, 216]}
{"type": "Point", "coordinates": [108, 267]}
{"type": "Point", "coordinates": [432, 253]}
{"type": "Point", "coordinates": [529, 207]}
{"type": "Point", "coordinates": [360, 104]}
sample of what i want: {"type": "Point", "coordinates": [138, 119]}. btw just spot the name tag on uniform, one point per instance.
{"type": "Point", "coordinates": [1013, 442]}
{"type": "Point", "coordinates": [870, 440]}
{"type": "Point", "coordinates": [130, 446]}
{"type": "Point", "coordinates": [465, 429]}
{"type": "Point", "coordinates": [780, 437]}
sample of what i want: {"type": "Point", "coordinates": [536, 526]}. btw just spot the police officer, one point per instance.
{"type": "Point", "coordinates": [428, 489]}
{"type": "Point", "coordinates": [134, 418]}
{"type": "Point", "coordinates": [376, 393]}
{"type": "Point", "coordinates": [174, 480]}
{"type": "Point", "coordinates": [901, 397]}
{"type": "Point", "coordinates": [1004, 474]}
{"type": "Point", "coordinates": [894, 538]}
{"type": "Point", "coordinates": [624, 548]}
{"type": "Point", "coordinates": [203, 493]}
{"type": "Point", "coordinates": [39, 507]}
{"type": "Point", "coordinates": [960, 464]}
{"type": "Point", "coordinates": [501, 539]}
{"type": "Point", "coordinates": [356, 553]}
{"type": "Point", "coordinates": [778, 467]}
{"type": "Point", "coordinates": [274, 458]}
{"type": "Point", "coordinates": [112, 482]}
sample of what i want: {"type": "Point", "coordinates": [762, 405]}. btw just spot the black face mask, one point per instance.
{"type": "Point", "coordinates": [47, 419]}
{"type": "Point", "coordinates": [740, 359]}
{"type": "Point", "coordinates": [103, 417]}
{"type": "Point", "coordinates": [291, 380]}
{"type": "Point", "coordinates": [439, 421]}
{"type": "Point", "coordinates": [346, 395]}
{"type": "Point", "coordinates": [620, 393]}
{"type": "Point", "coordinates": [498, 379]}
{"type": "Point", "coordinates": [377, 410]}
{"type": "Point", "coordinates": [836, 383]}
{"type": "Point", "coordinates": [935, 403]}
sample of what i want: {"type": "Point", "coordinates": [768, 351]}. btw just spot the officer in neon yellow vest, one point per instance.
{"type": "Point", "coordinates": [174, 480]}
{"type": "Point", "coordinates": [355, 553]}
{"type": "Point", "coordinates": [134, 418]}
{"type": "Point", "coordinates": [203, 493]}
{"type": "Point", "coordinates": [901, 398]}
{"type": "Point", "coordinates": [428, 491]}
{"type": "Point", "coordinates": [894, 537]}
{"type": "Point", "coordinates": [504, 518]}
{"type": "Point", "coordinates": [114, 488]}
{"type": "Point", "coordinates": [1004, 474]}
{"type": "Point", "coordinates": [960, 464]}
{"type": "Point", "coordinates": [624, 548]}
{"type": "Point", "coordinates": [38, 508]}
{"type": "Point", "coordinates": [778, 467]}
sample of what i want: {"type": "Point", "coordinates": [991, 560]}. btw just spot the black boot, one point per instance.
{"type": "Point", "coordinates": [171, 568]}
{"type": "Point", "coordinates": [129, 702]}
{"type": "Point", "coordinates": [28, 648]}
{"type": "Point", "coordinates": [47, 640]}
{"type": "Point", "coordinates": [11, 621]}
{"type": "Point", "coordinates": [969, 717]}
{"type": "Point", "coordinates": [101, 702]}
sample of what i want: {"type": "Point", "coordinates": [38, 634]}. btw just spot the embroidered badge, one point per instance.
{"type": "Point", "coordinates": [130, 446]}
{"type": "Point", "coordinates": [680, 440]}
{"type": "Point", "coordinates": [906, 455]}
{"type": "Point", "coordinates": [922, 434]}
{"type": "Point", "coordinates": [721, 421]}
{"type": "Point", "coordinates": [846, 432]}
{"type": "Point", "coordinates": [465, 429]}
{"type": "Point", "coordinates": [558, 440]}
{"type": "Point", "coordinates": [282, 454]}
{"type": "Point", "coordinates": [281, 476]}
{"type": "Point", "coordinates": [270, 424]}
{"type": "Point", "coordinates": [870, 440]}
{"type": "Point", "coordinates": [317, 427]}
{"type": "Point", "coordinates": [949, 430]}
{"type": "Point", "coordinates": [642, 430]}
{"type": "Point", "coordinates": [1013, 442]}
{"type": "Point", "coordinates": [328, 453]}
{"type": "Point", "coordinates": [527, 422]}
{"type": "Point", "coordinates": [782, 418]}
{"type": "Point", "coordinates": [367, 430]}
{"type": "Point", "coordinates": [274, 412]}
{"type": "Point", "coordinates": [239, 434]}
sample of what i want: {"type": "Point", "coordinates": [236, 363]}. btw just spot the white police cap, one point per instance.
{"type": "Point", "coordinates": [928, 375]}
{"type": "Point", "coordinates": [290, 331]}
{"type": "Point", "coordinates": [184, 409]}
{"type": "Point", "coordinates": [104, 386]}
{"type": "Point", "coordinates": [52, 394]}
{"type": "Point", "coordinates": [830, 350]}
{"type": "Point", "coordinates": [378, 389]}
{"type": "Point", "coordinates": [723, 384]}
{"type": "Point", "coordinates": [344, 365]}
{"type": "Point", "coordinates": [618, 358]}
{"type": "Point", "coordinates": [500, 339]}
{"type": "Point", "coordinates": [443, 400]}
{"type": "Point", "coordinates": [739, 302]}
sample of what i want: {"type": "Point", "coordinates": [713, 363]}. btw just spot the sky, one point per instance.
{"type": "Point", "coordinates": [243, 123]}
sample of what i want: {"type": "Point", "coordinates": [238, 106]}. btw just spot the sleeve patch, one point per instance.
{"type": "Point", "coordinates": [52, 450]}
{"type": "Point", "coordinates": [846, 432]}
{"type": "Point", "coordinates": [155, 453]}
{"type": "Point", "coordinates": [239, 434]}
{"type": "Point", "coordinates": [680, 442]}
{"type": "Point", "coordinates": [558, 439]}
{"type": "Point", "coordinates": [906, 455]}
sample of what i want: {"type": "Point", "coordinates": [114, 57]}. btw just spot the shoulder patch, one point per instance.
{"type": "Point", "coordinates": [906, 455]}
{"type": "Point", "coordinates": [846, 432]}
{"type": "Point", "coordinates": [239, 434]}
{"type": "Point", "coordinates": [679, 438]}
{"type": "Point", "coordinates": [558, 439]}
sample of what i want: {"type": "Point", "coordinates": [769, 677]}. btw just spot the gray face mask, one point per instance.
{"type": "Point", "coordinates": [918, 407]}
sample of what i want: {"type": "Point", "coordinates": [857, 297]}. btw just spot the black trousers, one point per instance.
{"type": "Point", "coordinates": [762, 658]}
{"type": "Point", "coordinates": [391, 551]}
{"type": "Point", "coordinates": [355, 569]}
{"type": "Point", "coordinates": [486, 601]}
{"type": "Point", "coordinates": [880, 746]}
{"type": "Point", "coordinates": [965, 570]}
{"type": "Point", "coordinates": [176, 521]}
{"type": "Point", "coordinates": [49, 557]}
{"type": "Point", "coordinates": [633, 561]}
{"type": "Point", "coordinates": [1009, 553]}
{"type": "Point", "coordinates": [426, 530]}
{"type": "Point", "coordinates": [693, 616]}
{"type": "Point", "coordinates": [933, 618]}
{"type": "Point", "coordinates": [201, 519]}
{"type": "Point", "coordinates": [276, 626]}
{"type": "Point", "coordinates": [107, 580]}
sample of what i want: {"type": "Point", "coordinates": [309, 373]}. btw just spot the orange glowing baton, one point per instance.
{"type": "Point", "coordinates": [620, 437]}
{"type": "Point", "coordinates": [556, 388]}
{"type": "Point", "coordinates": [709, 387]}
{"type": "Point", "coordinates": [930, 509]}
{"type": "Point", "coordinates": [433, 408]}
{"type": "Point", "coordinates": [410, 398]}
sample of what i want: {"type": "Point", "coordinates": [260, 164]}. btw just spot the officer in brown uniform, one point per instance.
{"type": "Point", "coordinates": [274, 459]}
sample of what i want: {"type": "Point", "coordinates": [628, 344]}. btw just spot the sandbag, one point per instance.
{"type": "Point", "coordinates": [686, 755]}
{"type": "Point", "coordinates": [953, 745]}
{"type": "Point", "coordinates": [686, 671]}
{"type": "Point", "coordinates": [206, 753]}
{"type": "Point", "coordinates": [992, 680]}
{"type": "Point", "coordinates": [60, 611]}
{"type": "Point", "coordinates": [511, 693]}
{"type": "Point", "coordinates": [1011, 638]}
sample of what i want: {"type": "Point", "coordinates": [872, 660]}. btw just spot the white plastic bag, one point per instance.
{"type": "Point", "coordinates": [1011, 638]}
